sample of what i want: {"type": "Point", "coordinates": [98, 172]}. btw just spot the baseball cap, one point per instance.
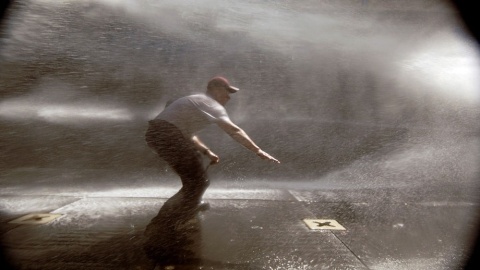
{"type": "Point", "coordinates": [221, 81]}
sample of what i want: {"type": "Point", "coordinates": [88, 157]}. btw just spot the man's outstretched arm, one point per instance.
{"type": "Point", "coordinates": [241, 136]}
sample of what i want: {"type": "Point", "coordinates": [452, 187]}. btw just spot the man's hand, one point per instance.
{"type": "Point", "coordinates": [214, 159]}
{"type": "Point", "coordinates": [202, 148]}
{"type": "Point", "coordinates": [264, 155]}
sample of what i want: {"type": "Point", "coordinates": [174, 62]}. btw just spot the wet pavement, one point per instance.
{"type": "Point", "coordinates": [243, 229]}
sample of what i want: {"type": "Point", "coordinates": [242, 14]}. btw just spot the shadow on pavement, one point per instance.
{"type": "Point", "coordinates": [173, 239]}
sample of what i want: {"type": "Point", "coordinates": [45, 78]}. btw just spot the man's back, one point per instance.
{"type": "Point", "coordinates": [193, 113]}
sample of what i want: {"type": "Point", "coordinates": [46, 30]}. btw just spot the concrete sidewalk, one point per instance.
{"type": "Point", "coordinates": [255, 230]}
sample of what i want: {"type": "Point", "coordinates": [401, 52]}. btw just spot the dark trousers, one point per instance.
{"type": "Point", "coordinates": [181, 155]}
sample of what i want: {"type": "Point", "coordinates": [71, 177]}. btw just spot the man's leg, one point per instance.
{"type": "Point", "coordinates": [187, 163]}
{"type": "Point", "coordinates": [183, 158]}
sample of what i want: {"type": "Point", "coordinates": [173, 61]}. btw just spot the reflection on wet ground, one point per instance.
{"type": "Point", "coordinates": [173, 236]}
{"type": "Point", "coordinates": [172, 239]}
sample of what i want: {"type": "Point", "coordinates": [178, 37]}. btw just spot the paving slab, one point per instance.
{"type": "Point", "coordinates": [18, 205]}
{"type": "Point", "coordinates": [12, 207]}
{"type": "Point", "coordinates": [270, 235]}
{"type": "Point", "coordinates": [93, 233]}
{"type": "Point", "coordinates": [404, 236]}
{"type": "Point", "coordinates": [108, 233]}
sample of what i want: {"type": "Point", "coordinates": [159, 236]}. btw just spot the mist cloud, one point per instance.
{"type": "Point", "coordinates": [392, 58]}
{"type": "Point", "coordinates": [318, 31]}
{"type": "Point", "coordinates": [56, 102]}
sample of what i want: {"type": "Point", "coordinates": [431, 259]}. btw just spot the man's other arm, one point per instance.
{"type": "Point", "coordinates": [205, 150]}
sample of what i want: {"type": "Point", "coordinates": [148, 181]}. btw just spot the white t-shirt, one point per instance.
{"type": "Point", "coordinates": [193, 113]}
